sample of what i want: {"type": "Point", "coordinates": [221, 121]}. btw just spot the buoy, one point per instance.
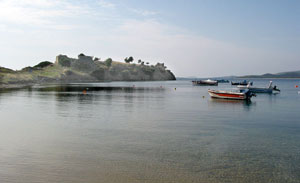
{"type": "Point", "coordinates": [203, 96]}
{"type": "Point", "coordinates": [296, 86]}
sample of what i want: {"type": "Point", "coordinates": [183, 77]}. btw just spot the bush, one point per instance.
{"type": "Point", "coordinates": [43, 64]}
{"type": "Point", "coordinates": [128, 60]}
{"type": "Point", "coordinates": [5, 70]}
{"type": "Point", "coordinates": [108, 62]}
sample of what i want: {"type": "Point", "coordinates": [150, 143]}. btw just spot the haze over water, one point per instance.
{"type": "Point", "coordinates": [148, 132]}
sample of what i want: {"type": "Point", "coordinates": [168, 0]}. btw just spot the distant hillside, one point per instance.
{"type": "Point", "coordinates": [85, 69]}
{"type": "Point", "coordinates": [291, 74]}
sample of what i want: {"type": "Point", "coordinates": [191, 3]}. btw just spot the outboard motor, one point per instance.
{"type": "Point", "coordinates": [275, 88]}
{"type": "Point", "coordinates": [249, 94]}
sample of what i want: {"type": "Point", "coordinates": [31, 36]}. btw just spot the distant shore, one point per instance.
{"type": "Point", "coordinates": [265, 78]}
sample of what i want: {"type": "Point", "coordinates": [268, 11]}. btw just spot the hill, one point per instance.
{"type": "Point", "coordinates": [291, 74]}
{"type": "Point", "coordinates": [84, 69]}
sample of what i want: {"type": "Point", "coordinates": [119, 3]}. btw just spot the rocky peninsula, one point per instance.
{"type": "Point", "coordinates": [85, 69]}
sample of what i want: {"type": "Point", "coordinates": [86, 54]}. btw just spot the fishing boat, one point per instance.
{"type": "Point", "coordinates": [205, 82]}
{"type": "Point", "coordinates": [239, 95]}
{"type": "Point", "coordinates": [268, 89]}
{"type": "Point", "coordinates": [245, 82]}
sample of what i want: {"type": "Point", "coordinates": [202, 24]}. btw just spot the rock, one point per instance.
{"type": "Point", "coordinates": [85, 69]}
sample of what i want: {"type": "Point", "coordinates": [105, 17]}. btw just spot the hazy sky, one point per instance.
{"type": "Point", "coordinates": [192, 37]}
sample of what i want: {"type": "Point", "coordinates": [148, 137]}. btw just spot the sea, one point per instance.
{"type": "Point", "coordinates": [148, 132]}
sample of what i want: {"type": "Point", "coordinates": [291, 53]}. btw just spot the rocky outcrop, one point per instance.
{"type": "Point", "coordinates": [93, 69]}
{"type": "Point", "coordinates": [83, 63]}
{"type": "Point", "coordinates": [86, 69]}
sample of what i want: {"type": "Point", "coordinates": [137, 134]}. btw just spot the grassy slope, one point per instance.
{"type": "Point", "coordinates": [27, 77]}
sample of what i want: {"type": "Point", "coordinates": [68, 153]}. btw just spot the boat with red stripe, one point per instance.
{"type": "Point", "coordinates": [240, 95]}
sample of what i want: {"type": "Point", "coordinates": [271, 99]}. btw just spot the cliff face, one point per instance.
{"type": "Point", "coordinates": [86, 69]}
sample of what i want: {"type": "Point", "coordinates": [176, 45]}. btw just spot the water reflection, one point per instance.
{"type": "Point", "coordinates": [231, 102]}
{"type": "Point", "coordinates": [85, 89]}
{"type": "Point", "coordinates": [226, 104]}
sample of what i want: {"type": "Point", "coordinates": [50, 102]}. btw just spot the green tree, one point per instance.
{"type": "Point", "coordinates": [128, 60]}
{"type": "Point", "coordinates": [108, 62]}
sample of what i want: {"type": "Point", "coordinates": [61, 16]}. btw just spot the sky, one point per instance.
{"type": "Point", "coordinates": [202, 38]}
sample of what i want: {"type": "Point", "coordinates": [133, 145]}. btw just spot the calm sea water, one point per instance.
{"type": "Point", "coordinates": [148, 132]}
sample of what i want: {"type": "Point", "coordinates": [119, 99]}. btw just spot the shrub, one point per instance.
{"type": "Point", "coordinates": [108, 62]}
{"type": "Point", "coordinates": [43, 64]}
{"type": "Point", "coordinates": [128, 60]}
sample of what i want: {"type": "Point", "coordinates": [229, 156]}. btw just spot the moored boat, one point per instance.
{"type": "Point", "coordinates": [268, 89]}
{"type": "Point", "coordinates": [240, 95]}
{"type": "Point", "coordinates": [205, 82]}
{"type": "Point", "coordinates": [245, 82]}
{"type": "Point", "coordinates": [222, 81]}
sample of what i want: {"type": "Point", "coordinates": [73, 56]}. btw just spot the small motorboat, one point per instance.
{"type": "Point", "coordinates": [239, 95]}
{"type": "Point", "coordinates": [268, 89]}
{"type": "Point", "coordinates": [245, 82]}
{"type": "Point", "coordinates": [205, 82]}
{"type": "Point", "coordinates": [222, 81]}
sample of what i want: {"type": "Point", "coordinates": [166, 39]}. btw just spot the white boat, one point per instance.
{"type": "Point", "coordinates": [205, 82]}
{"type": "Point", "coordinates": [240, 95]}
{"type": "Point", "coordinates": [268, 89]}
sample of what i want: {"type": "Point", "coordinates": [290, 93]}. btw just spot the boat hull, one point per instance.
{"type": "Point", "coordinates": [252, 89]}
{"type": "Point", "coordinates": [205, 83]}
{"type": "Point", "coordinates": [258, 90]}
{"type": "Point", "coordinates": [228, 95]}
{"type": "Point", "coordinates": [245, 83]}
